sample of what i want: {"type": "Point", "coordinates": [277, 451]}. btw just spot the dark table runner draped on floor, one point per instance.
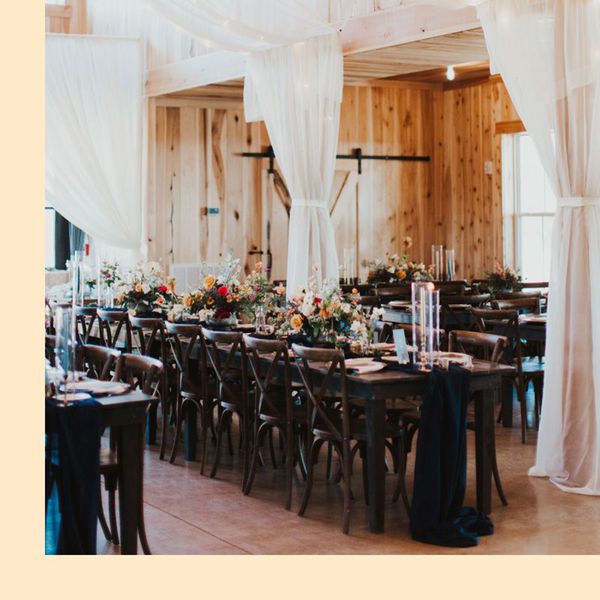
{"type": "Point", "coordinates": [437, 515]}
{"type": "Point", "coordinates": [72, 476]}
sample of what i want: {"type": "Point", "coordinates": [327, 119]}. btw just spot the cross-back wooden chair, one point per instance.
{"type": "Point", "coordinates": [458, 287]}
{"type": "Point", "coordinates": [454, 313]}
{"type": "Point", "coordinates": [273, 405]}
{"type": "Point", "coordinates": [485, 346]}
{"type": "Point", "coordinates": [369, 300]}
{"type": "Point", "coordinates": [387, 294]}
{"type": "Point", "coordinates": [85, 317]}
{"type": "Point", "coordinates": [195, 390]}
{"type": "Point", "coordinates": [96, 361]}
{"type": "Point", "coordinates": [505, 322]}
{"type": "Point", "coordinates": [142, 372]}
{"type": "Point", "coordinates": [222, 347]}
{"type": "Point", "coordinates": [384, 332]}
{"type": "Point", "coordinates": [327, 423]}
{"type": "Point", "coordinates": [149, 335]}
{"type": "Point", "coordinates": [113, 324]}
{"type": "Point", "coordinates": [522, 304]}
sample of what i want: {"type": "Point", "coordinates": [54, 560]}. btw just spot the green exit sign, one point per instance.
{"type": "Point", "coordinates": [213, 210]}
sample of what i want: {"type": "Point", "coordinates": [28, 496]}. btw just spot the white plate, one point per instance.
{"type": "Point", "coordinates": [358, 362]}
{"type": "Point", "coordinates": [94, 386]}
{"type": "Point", "coordinates": [365, 369]}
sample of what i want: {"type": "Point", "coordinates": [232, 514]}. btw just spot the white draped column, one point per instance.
{"type": "Point", "coordinates": [297, 90]}
{"type": "Point", "coordinates": [548, 53]}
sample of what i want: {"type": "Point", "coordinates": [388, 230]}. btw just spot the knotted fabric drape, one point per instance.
{"type": "Point", "coordinates": [548, 53]}
{"type": "Point", "coordinates": [94, 135]}
{"type": "Point", "coordinates": [297, 90]}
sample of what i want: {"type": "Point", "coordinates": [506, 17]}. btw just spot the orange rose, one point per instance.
{"type": "Point", "coordinates": [138, 287]}
{"type": "Point", "coordinates": [296, 322]}
{"type": "Point", "coordinates": [188, 301]}
{"type": "Point", "coordinates": [209, 281]}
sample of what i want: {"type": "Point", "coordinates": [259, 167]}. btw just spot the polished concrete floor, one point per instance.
{"type": "Point", "coordinates": [187, 513]}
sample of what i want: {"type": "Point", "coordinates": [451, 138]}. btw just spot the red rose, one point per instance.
{"type": "Point", "coordinates": [317, 300]}
{"type": "Point", "coordinates": [163, 289]}
{"type": "Point", "coordinates": [223, 291]}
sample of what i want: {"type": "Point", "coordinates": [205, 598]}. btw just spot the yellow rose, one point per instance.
{"type": "Point", "coordinates": [209, 281]}
{"type": "Point", "coordinates": [138, 287]}
{"type": "Point", "coordinates": [296, 322]}
{"type": "Point", "coordinates": [401, 274]}
{"type": "Point", "coordinates": [188, 301]}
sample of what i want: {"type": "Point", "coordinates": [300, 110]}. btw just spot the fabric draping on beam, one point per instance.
{"type": "Point", "coordinates": [297, 90]}
{"type": "Point", "coordinates": [94, 135]}
{"type": "Point", "coordinates": [548, 53]}
{"type": "Point", "coordinates": [244, 25]}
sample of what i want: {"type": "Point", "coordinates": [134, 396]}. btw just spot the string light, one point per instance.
{"type": "Point", "coordinates": [450, 74]}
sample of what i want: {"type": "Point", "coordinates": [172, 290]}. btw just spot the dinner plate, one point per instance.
{"type": "Point", "coordinates": [93, 386]}
{"type": "Point", "coordinates": [358, 362]}
{"type": "Point", "coordinates": [399, 303]}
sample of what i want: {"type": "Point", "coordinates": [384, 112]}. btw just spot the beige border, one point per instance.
{"type": "Point", "coordinates": [26, 573]}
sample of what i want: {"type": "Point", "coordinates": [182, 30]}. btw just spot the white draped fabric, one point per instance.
{"type": "Point", "coordinates": [94, 135]}
{"type": "Point", "coordinates": [548, 53]}
{"type": "Point", "coordinates": [244, 25]}
{"type": "Point", "coordinates": [297, 89]}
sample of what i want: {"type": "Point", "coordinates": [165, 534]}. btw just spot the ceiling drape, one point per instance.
{"type": "Point", "coordinates": [548, 53]}
{"type": "Point", "coordinates": [94, 135]}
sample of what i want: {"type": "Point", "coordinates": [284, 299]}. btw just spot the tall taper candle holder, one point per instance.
{"type": "Point", "coordinates": [422, 324]}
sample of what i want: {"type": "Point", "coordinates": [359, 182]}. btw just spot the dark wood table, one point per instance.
{"type": "Point", "coordinates": [126, 415]}
{"type": "Point", "coordinates": [371, 391]}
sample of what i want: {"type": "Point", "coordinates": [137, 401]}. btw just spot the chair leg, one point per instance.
{"type": "Point", "coordinates": [110, 482]}
{"type": "Point", "coordinates": [260, 438]}
{"type": "Point", "coordinates": [329, 460]}
{"type": "Point", "coordinates": [300, 455]}
{"type": "Point", "coordinates": [496, 472]}
{"type": "Point", "coordinates": [178, 424]}
{"type": "Point", "coordinates": [347, 460]}
{"type": "Point", "coordinates": [223, 422]}
{"type": "Point", "coordinates": [142, 531]}
{"type": "Point", "coordinates": [164, 405]}
{"type": "Point", "coordinates": [205, 421]}
{"type": "Point", "coordinates": [289, 464]}
{"type": "Point", "coordinates": [538, 390]}
{"type": "Point", "coordinates": [272, 449]}
{"type": "Point", "coordinates": [102, 519]}
{"type": "Point", "coordinates": [401, 482]}
{"type": "Point", "coordinates": [521, 392]}
{"type": "Point", "coordinates": [314, 457]}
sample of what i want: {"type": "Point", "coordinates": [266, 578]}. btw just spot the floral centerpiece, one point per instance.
{"type": "Point", "coordinates": [256, 291]}
{"type": "Point", "coordinates": [145, 289]}
{"type": "Point", "coordinates": [503, 278]}
{"type": "Point", "coordinates": [398, 268]}
{"type": "Point", "coordinates": [325, 317]}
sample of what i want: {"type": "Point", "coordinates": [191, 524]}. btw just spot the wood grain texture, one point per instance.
{"type": "Point", "coordinates": [449, 200]}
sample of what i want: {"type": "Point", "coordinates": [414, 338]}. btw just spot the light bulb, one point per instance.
{"type": "Point", "coordinates": [450, 73]}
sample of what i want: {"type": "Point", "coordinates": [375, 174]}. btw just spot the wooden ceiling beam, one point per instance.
{"type": "Point", "coordinates": [361, 34]}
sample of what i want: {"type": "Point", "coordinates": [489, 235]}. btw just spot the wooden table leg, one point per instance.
{"type": "Point", "coordinates": [130, 447]}
{"type": "Point", "coordinates": [190, 436]}
{"type": "Point", "coordinates": [152, 425]}
{"type": "Point", "coordinates": [375, 415]}
{"type": "Point", "coordinates": [484, 430]}
{"type": "Point", "coordinates": [507, 402]}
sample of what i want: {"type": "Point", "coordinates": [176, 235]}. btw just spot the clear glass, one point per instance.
{"type": "Point", "coordinates": [260, 321]}
{"type": "Point", "coordinates": [437, 260]}
{"type": "Point", "coordinates": [450, 264]}
{"type": "Point", "coordinates": [422, 323]}
{"type": "Point", "coordinates": [435, 301]}
{"type": "Point", "coordinates": [64, 351]}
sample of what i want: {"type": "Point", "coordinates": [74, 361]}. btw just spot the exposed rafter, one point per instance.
{"type": "Point", "coordinates": [379, 30]}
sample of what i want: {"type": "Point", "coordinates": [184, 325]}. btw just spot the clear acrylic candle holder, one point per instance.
{"type": "Point", "coordinates": [422, 324]}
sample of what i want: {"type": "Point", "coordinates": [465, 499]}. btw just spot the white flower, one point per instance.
{"type": "Point", "coordinates": [145, 288]}
{"type": "Point", "coordinates": [391, 269]}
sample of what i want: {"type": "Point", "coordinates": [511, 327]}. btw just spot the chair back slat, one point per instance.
{"type": "Point", "coordinates": [143, 372]}
{"type": "Point", "coordinates": [97, 361]}
{"type": "Point", "coordinates": [486, 346]}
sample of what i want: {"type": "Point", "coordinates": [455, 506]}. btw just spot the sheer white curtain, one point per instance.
{"type": "Point", "coordinates": [548, 53]}
{"type": "Point", "coordinates": [94, 135]}
{"type": "Point", "coordinates": [297, 89]}
{"type": "Point", "coordinates": [244, 25]}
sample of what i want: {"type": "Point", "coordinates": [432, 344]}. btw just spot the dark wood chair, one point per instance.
{"type": "Point", "coordinates": [485, 346]}
{"type": "Point", "coordinates": [144, 373]}
{"type": "Point", "coordinates": [232, 386]}
{"type": "Point", "coordinates": [335, 424]}
{"type": "Point", "coordinates": [506, 322]}
{"type": "Point", "coordinates": [523, 304]}
{"type": "Point", "coordinates": [384, 332]}
{"type": "Point", "coordinates": [387, 294]}
{"type": "Point", "coordinates": [363, 289]}
{"type": "Point", "coordinates": [49, 347]}
{"type": "Point", "coordinates": [85, 318]}
{"type": "Point", "coordinates": [149, 335]}
{"type": "Point", "coordinates": [273, 406]}
{"type": "Point", "coordinates": [371, 301]}
{"type": "Point", "coordinates": [458, 287]}
{"type": "Point", "coordinates": [97, 362]}
{"type": "Point", "coordinates": [114, 329]}
{"type": "Point", "coordinates": [454, 309]}
{"type": "Point", "coordinates": [195, 389]}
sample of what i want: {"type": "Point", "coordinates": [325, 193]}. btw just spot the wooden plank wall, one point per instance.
{"type": "Point", "coordinates": [195, 164]}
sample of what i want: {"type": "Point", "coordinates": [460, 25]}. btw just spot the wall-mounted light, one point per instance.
{"type": "Point", "coordinates": [450, 74]}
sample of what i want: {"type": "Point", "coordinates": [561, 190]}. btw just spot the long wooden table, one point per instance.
{"type": "Point", "coordinates": [126, 415]}
{"type": "Point", "coordinates": [371, 391]}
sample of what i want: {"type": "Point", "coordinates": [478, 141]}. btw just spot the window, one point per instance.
{"type": "Point", "coordinates": [49, 239]}
{"type": "Point", "coordinates": [528, 206]}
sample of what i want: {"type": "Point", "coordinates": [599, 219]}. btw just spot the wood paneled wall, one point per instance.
{"type": "Point", "coordinates": [194, 166]}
